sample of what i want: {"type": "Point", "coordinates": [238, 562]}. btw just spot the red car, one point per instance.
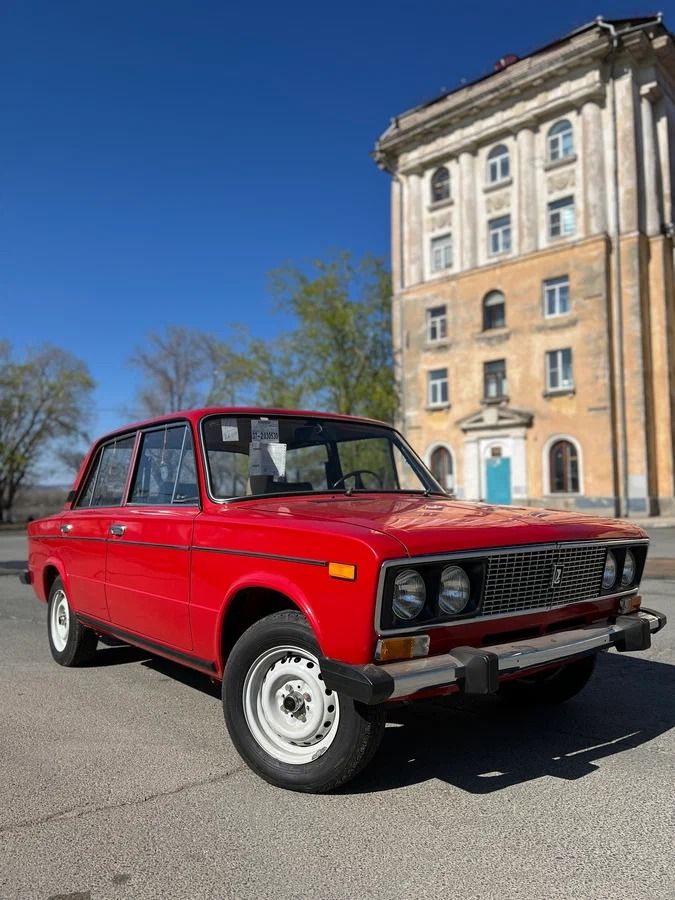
{"type": "Point", "coordinates": [312, 564]}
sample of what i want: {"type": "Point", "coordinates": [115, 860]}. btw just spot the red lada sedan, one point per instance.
{"type": "Point", "coordinates": [312, 564]}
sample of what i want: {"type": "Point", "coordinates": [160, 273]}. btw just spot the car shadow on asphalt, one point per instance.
{"type": "Point", "coordinates": [483, 745]}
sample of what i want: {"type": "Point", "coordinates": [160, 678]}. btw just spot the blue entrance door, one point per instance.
{"type": "Point", "coordinates": [498, 479]}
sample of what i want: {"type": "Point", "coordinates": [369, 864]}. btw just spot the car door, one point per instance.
{"type": "Point", "coordinates": [84, 528]}
{"type": "Point", "coordinates": [149, 546]}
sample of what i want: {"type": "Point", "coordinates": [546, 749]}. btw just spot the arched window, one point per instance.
{"type": "Point", "coordinates": [563, 461]}
{"type": "Point", "coordinates": [560, 140]}
{"type": "Point", "coordinates": [494, 311]}
{"type": "Point", "coordinates": [498, 168]}
{"type": "Point", "coordinates": [441, 467]}
{"type": "Point", "coordinates": [440, 185]}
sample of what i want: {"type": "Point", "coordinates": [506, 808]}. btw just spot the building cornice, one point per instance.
{"type": "Point", "coordinates": [582, 53]}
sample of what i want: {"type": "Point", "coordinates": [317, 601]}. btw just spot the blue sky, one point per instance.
{"type": "Point", "coordinates": [157, 159]}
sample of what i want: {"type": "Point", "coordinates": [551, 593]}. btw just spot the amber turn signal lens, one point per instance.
{"type": "Point", "coordinates": [342, 570]}
{"type": "Point", "coordinates": [389, 649]}
{"type": "Point", "coordinates": [630, 604]}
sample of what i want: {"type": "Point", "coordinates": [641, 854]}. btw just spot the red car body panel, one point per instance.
{"type": "Point", "coordinates": [174, 574]}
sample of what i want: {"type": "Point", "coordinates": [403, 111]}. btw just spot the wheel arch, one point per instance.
{"type": "Point", "coordinates": [50, 572]}
{"type": "Point", "coordinates": [248, 602]}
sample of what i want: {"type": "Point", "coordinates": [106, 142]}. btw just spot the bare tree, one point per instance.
{"type": "Point", "coordinates": [42, 399]}
{"type": "Point", "coordinates": [176, 368]}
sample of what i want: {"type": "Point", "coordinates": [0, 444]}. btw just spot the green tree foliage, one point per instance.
{"type": "Point", "coordinates": [341, 349]}
{"type": "Point", "coordinates": [43, 399]}
{"type": "Point", "coordinates": [336, 356]}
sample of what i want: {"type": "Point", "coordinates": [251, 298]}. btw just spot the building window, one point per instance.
{"type": "Point", "coordinates": [559, 370]}
{"type": "Point", "coordinates": [441, 467]}
{"type": "Point", "coordinates": [499, 235]}
{"type": "Point", "coordinates": [563, 461]}
{"type": "Point", "coordinates": [560, 141]}
{"type": "Point", "coordinates": [498, 168]}
{"type": "Point", "coordinates": [440, 185]}
{"type": "Point", "coordinates": [494, 311]}
{"type": "Point", "coordinates": [494, 379]}
{"type": "Point", "coordinates": [437, 387]}
{"type": "Point", "coordinates": [437, 324]}
{"type": "Point", "coordinates": [557, 296]}
{"type": "Point", "coordinates": [562, 219]}
{"type": "Point", "coordinates": [441, 253]}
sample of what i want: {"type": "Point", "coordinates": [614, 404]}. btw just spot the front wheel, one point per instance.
{"type": "Point", "coordinates": [71, 644]}
{"type": "Point", "coordinates": [552, 686]}
{"type": "Point", "coordinates": [285, 723]}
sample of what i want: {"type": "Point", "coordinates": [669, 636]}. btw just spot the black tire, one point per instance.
{"type": "Point", "coordinates": [550, 687]}
{"type": "Point", "coordinates": [80, 644]}
{"type": "Point", "coordinates": [358, 728]}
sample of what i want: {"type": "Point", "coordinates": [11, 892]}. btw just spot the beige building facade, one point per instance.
{"type": "Point", "coordinates": [532, 261]}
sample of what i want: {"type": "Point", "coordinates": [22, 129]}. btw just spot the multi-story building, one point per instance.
{"type": "Point", "coordinates": [532, 264]}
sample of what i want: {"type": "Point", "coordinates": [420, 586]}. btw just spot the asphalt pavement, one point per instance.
{"type": "Point", "coordinates": [119, 781]}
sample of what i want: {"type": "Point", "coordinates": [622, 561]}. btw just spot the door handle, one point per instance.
{"type": "Point", "coordinates": [118, 530]}
{"type": "Point", "coordinates": [66, 528]}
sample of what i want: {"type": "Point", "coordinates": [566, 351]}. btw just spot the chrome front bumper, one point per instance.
{"type": "Point", "coordinates": [478, 669]}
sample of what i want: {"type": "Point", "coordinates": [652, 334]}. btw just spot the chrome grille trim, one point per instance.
{"type": "Point", "coordinates": [602, 546]}
{"type": "Point", "coordinates": [523, 580]}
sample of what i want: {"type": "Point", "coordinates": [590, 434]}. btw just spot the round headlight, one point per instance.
{"type": "Point", "coordinates": [629, 567]}
{"type": "Point", "coordinates": [453, 594]}
{"type": "Point", "coordinates": [409, 594]}
{"type": "Point", "coordinates": [609, 575]}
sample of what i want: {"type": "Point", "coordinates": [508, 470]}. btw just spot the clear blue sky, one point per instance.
{"type": "Point", "coordinates": [158, 158]}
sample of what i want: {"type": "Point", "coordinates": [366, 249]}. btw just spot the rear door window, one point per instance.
{"type": "Point", "coordinates": [105, 485]}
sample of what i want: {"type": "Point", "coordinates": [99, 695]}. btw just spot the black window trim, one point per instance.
{"type": "Point", "coordinates": [160, 426]}
{"type": "Point", "coordinates": [293, 415]}
{"type": "Point", "coordinates": [136, 433]}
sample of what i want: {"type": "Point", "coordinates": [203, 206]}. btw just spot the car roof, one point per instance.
{"type": "Point", "coordinates": [195, 415]}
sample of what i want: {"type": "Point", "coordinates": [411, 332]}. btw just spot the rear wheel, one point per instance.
{"type": "Point", "coordinates": [285, 723]}
{"type": "Point", "coordinates": [553, 686]}
{"type": "Point", "coordinates": [70, 642]}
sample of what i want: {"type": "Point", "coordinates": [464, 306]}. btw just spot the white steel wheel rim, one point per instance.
{"type": "Point", "coordinates": [60, 620]}
{"type": "Point", "coordinates": [289, 710]}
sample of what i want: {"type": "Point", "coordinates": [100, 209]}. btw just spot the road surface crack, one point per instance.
{"type": "Point", "coordinates": [78, 812]}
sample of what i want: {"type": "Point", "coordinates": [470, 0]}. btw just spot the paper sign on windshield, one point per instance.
{"type": "Point", "coordinates": [267, 458]}
{"type": "Point", "coordinates": [265, 430]}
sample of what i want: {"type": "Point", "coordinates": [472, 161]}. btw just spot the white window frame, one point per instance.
{"type": "Point", "coordinates": [447, 185]}
{"type": "Point", "coordinates": [498, 164]}
{"type": "Point", "coordinates": [546, 471]}
{"type": "Point", "coordinates": [552, 288]}
{"type": "Point", "coordinates": [562, 218]}
{"type": "Point", "coordinates": [555, 363]}
{"type": "Point", "coordinates": [441, 253]}
{"type": "Point", "coordinates": [555, 142]}
{"type": "Point", "coordinates": [491, 378]}
{"type": "Point", "coordinates": [439, 445]}
{"type": "Point", "coordinates": [436, 387]}
{"type": "Point", "coordinates": [499, 228]}
{"type": "Point", "coordinates": [437, 323]}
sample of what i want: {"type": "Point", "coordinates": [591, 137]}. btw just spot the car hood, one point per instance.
{"type": "Point", "coordinates": [438, 524]}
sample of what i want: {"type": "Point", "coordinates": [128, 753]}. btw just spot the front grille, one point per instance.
{"type": "Point", "coordinates": [524, 579]}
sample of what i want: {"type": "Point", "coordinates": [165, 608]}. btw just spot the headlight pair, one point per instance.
{"type": "Point", "coordinates": [609, 576]}
{"type": "Point", "coordinates": [410, 593]}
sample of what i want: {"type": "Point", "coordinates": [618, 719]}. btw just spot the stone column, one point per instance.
{"type": "Point", "coordinates": [595, 175]}
{"type": "Point", "coordinates": [397, 268]}
{"type": "Point", "coordinates": [652, 188]}
{"type": "Point", "coordinates": [627, 151]}
{"type": "Point", "coordinates": [467, 218]}
{"type": "Point", "coordinates": [527, 185]}
{"type": "Point", "coordinates": [413, 229]}
{"type": "Point", "coordinates": [519, 486]}
{"type": "Point", "coordinates": [471, 468]}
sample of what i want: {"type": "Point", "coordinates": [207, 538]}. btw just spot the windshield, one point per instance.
{"type": "Point", "coordinates": [257, 455]}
